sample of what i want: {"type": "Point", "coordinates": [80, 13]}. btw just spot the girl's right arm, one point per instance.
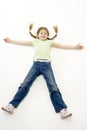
{"type": "Point", "coordinates": [23, 43]}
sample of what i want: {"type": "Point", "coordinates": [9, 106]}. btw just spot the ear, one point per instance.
{"type": "Point", "coordinates": [37, 37]}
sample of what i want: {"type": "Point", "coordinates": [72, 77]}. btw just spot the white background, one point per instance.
{"type": "Point", "coordinates": [70, 66]}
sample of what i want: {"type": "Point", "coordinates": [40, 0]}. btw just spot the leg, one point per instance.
{"type": "Point", "coordinates": [55, 94]}
{"type": "Point", "coordinates": [25, 86]}
{"type": "Point", "coordinates": [22, 90]}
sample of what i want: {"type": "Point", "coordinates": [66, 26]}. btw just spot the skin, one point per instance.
{"type": "Point", "coordinates": [43, 35]}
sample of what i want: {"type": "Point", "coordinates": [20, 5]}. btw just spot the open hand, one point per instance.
{"type": "Point", "coordinates": [7, 39]}
{"type": "Point", "coordinates": [79, 46]}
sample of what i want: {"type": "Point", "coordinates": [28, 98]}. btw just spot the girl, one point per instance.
{"type": "Point", "coordinates": [41, 65]}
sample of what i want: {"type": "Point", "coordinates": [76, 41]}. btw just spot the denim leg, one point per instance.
{"type": "Point", "coordinates": [55, 95]}
{"type": "Point", "coordinates": [25, 86]}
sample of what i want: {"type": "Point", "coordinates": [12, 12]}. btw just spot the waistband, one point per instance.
{"type": "Point", "coordinates": [42, 60]}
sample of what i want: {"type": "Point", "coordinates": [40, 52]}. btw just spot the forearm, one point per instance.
{"type": "Point", "coordinates": [67, 47]}
{"type": "Point", "coordinates": [23, 43]}
{"type": "Point", "coordinates": [72, 47]}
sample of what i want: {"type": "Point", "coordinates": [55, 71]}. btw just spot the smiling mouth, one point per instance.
{"type": "Point", "coordinates": [43, 37]}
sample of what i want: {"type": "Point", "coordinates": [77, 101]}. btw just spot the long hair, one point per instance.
{"type": "Point", "coordinates": [54, 27]}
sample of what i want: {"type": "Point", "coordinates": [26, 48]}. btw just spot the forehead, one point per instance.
{"type": "Point", "coordinates": [43, 30]}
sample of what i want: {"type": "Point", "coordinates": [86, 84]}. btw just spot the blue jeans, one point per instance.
{"type": "Point", "coordinates": [37, 69]}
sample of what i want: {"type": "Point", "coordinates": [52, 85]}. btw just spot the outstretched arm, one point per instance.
{"type": "Point", "coordinates": [23, 43]}
{"type": "Point", "coordinates": [77, 47]}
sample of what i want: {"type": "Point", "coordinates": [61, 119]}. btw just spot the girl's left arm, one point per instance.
{"type": "Point", "coordinates": [61, 46]}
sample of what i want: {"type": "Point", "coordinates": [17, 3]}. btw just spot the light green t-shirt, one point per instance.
{"type": "Point", "coordinates": [42, 49]}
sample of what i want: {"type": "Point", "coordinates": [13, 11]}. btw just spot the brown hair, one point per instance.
{"type": "Point", "coordinates": [54, 27]}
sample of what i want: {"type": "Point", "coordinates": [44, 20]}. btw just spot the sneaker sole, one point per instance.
{"type": "Point", "coordinates": [6, 110]}
{"type": "Point", "coordinates": [64, 117]}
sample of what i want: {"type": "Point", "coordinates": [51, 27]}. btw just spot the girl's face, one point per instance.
{"type": "Point", "coordinates": [42, 35]}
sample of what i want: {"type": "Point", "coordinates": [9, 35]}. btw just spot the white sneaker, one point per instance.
{"type": "Point", "coordinates": [64, 114]}
{"type": "Point", "coordinates": [9, 108]}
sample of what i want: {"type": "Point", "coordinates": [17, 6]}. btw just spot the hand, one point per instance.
{"type": "Point", "coordinates": [7, 39]}
{"type": "Point", "coordinates": [78, 46]}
